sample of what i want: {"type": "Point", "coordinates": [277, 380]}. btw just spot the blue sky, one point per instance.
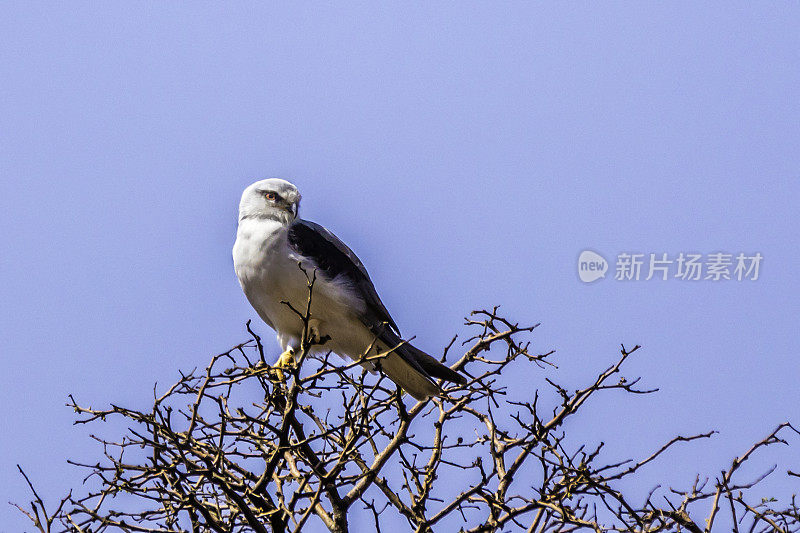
{"type": "Point", "coordinates": [467, 152]}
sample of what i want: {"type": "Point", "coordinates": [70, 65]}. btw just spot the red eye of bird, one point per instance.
{"type": "Point", "coordinates": [271, 196]}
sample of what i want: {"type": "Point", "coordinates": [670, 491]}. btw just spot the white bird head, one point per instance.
{"type": "Point", "coordinates": [273, 198]}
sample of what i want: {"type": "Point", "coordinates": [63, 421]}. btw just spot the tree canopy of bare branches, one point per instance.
{"type": "Point", "coordinates": [239, 446]}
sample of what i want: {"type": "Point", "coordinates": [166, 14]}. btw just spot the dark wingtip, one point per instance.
{"type": "Point", "coordinates": [453, 376]}
{"type": "Point", "coordinates": [461, 380]}
{"type": "Point", "coordinates": [434, 368]}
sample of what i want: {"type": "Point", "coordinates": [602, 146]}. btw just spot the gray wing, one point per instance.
{"type": "Point", "coordinates": [333, 258]}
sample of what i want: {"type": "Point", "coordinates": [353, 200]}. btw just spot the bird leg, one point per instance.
{"type": "Point", "coordinates": [285, 360]}
{"type": "Point", "coordinates": [314, 334]}
{"type": "Point", "coordinates": [321, 339]}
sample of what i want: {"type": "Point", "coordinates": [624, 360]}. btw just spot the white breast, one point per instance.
{"type": "Point", "coordinates": [269, 275]}
{"type": "Point", "coordinates": [266, 272]}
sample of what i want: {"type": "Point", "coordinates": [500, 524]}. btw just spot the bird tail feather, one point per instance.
{"type": "Point", "coordinates": [414, 370]}
{"type": "Point", "coordinates": [409, 378]}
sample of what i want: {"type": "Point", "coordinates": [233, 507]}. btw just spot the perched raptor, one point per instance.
{"type": "Point", "coordinates": [272, 241]}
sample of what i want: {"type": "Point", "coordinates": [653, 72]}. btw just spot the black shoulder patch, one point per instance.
{"type": "Point", "coordinates": [334, 258]}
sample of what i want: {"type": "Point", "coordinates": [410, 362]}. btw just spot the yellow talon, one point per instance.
{"type": "Point", "coordinates": [285, 360]}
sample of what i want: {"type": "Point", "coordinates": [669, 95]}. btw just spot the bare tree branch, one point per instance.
{"type": "Point", "coordinates": [239, 446]}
